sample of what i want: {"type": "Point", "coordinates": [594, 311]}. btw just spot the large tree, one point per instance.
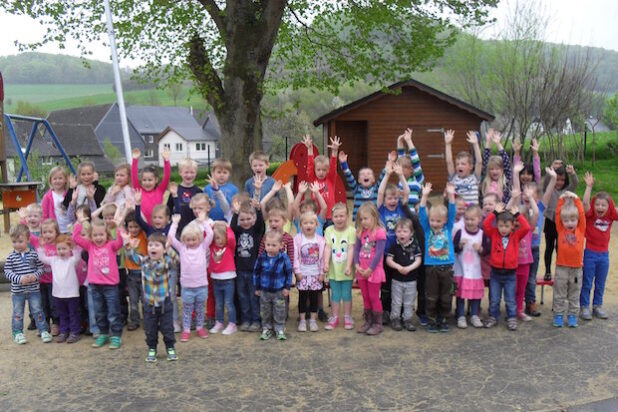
{"type": "Point", "coordinates": [237, 50]}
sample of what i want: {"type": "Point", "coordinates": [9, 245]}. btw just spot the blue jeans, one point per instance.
{"type": "Point", "coordinates": [502, 280]}
{"type": "Point", "coordinates": [34, 306]}
{"type": "Point", "coordinates": [92, 319]}
{"type": "Point", "coordinates": [193, 299]}
{"type": "Point", "coordinates": [531, 285]}
{"type": "Point", "coordinates": [224, 296]}
{"type": "Point", "coordinates": [249, 303]}
{"type": "Point", "coordinates": [596, 267]}
{"type": "Point", "coordinates": [473, 304]}
{"type": "Point", "coordinates": [107, 309]}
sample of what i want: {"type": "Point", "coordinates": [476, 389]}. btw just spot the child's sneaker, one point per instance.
{"type": "Point", "coordinates": [266, 334]}
{"type": "Point", "coordinates": [244, 327]}
{"type": "Point", "coordinates": [217, 328]}
{"type": "Point", "coordinates": [491, 322]}
{"type": "Point", "coordinates": [348, 322]}
{"type": "Point", "coordinates": [254, 327]}
{"type": "Point", "coordinates": [476, 321]}
{"type": "Point", "coordinates": [152, 355]}
{"type": "Point", "coordinates": [444, 327]}
{"type": "Point", "coordinates": [185, 335]}
{"type": "Point", "coordinates": [461, 322]}
{"type": "Point", "coordinates": [423, 320]}
{"type": "Point", "coordinates": [281, 335]}
{"type": "Point", "coordinates": [46, 337]}
{"type": "Point", "coordinates": [302, 325]}
{"type": "Point", "coordinates": [432, 327]}
{"type": "Point", "coordinates": [585, 314]}
{"type": "Point", "coordinates": [100, 341]}
{"type": "Point", "coordinates": [396, 324]}
{"type": "Point", "coordinates": [313, 326]}
{"type": "Point", "coordinates": [333, 322]}
{"type": "Point", "coordinates": [230, 329]}
{"type": "Point", "coordinates": [115, 342]}
{"type": "Point", "coordinates": [54, 329]}
{"type": "Point", "coordinates": [409, 325]}
{"type": "Point", "coordinates": [523, 317]}
{"type": "Point", "coordinates": [511, 323]}
{"type": "Point", "coordinates": [547, 277]}
{"type": "Point", "coordinates": [558, 321]}
{"type": "Point", "coordinates": [19, 338]}
{"type": "Point", "coordinates": [177, 328]}
{"type": "Point", "coordinates": [202, 333]}
{"type": "Point", "coordinates": [73, 337]}
{"type": "Point", "coordinates": [171, 354]}
{"type": "Point", "coordinates": [61, 338]}
{"type": "Point", "coordinates": [572, 321]}
{"type": "Point", "coordinates": [598, 312]}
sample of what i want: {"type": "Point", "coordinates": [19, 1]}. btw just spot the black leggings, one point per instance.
{"type": "Point", "coordinates": [312, 295]}
{"type": "Point", "coordinates": [551, 237]}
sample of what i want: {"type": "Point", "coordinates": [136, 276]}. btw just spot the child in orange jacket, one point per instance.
{"type": "Point", "coordinates": [571, 228]}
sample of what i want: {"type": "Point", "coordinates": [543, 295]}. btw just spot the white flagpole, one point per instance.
{"type": "Point", "coordinates": [118, 83]}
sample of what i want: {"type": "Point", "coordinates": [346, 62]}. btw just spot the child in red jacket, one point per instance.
{"type": "Point", "coordinates": [324, 171]}
{"type": "Point", "coordinates": [571, 228]}
{"type": "Point", "coordinates": [505, 236]}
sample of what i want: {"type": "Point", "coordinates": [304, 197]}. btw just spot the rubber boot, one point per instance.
{"type": "Point", "coordinates": [367, 317]}
{"type": "Point", "coordinates": [376, 326]}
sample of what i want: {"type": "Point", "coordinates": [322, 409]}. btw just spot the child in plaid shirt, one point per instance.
{"type": "Point", "coordinates": [157, 303]}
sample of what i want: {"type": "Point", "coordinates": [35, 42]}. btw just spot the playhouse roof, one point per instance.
{"type": "Point", "coordinates": [407, 83]}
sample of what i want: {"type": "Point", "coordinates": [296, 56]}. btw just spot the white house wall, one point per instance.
{"type": "Point", "coordinates": [189, 149]}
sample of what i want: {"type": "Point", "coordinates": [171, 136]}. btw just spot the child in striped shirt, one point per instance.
{"type": "Point", "coordinates": [23, 269]}
{"type": "Point", "coordinates": [464, 174]}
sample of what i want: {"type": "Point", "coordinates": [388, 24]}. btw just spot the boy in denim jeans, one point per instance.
{"type": "Point", "coordinates": [248, 227]}
{"type": "Point", "coordinates": [23, 268]}
{"type": "Point", "coordinates": [505, 238]}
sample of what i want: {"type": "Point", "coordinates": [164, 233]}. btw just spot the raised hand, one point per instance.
{"type": "Point", "coordinates": [389, 167]}
{"type": "Point", "coordinates": [303, 187]}
{"type": "Point", "coordinates": [72, 181]}
{"type": "Point", "coordinates": [517, 168]}
{"type": "Point", "coordinates": [74, 196]}
{"type": "Point", "coordinates": [589, 179]}
{"type": "Point", "coordinates": [315, 187]}
{"type": "Point", "coordinates": [136, 153]}
{"type": "Point", "coordinates": [81, 217]}
{"type": "Point", "coordinates": [568, 194]}
{"type": "Point", "coordinates": [213, 182]}
{"type": "Point", "coordinates": [173, 188]}
{"type": "Point", "coordinates": [427, 189]}
{"type": "Point", "coordinates": [235, 206]}
{"type": "Point", "coordinates": [534, 146]}
{"type": "Point", "coordinates": [22, 213]}
{"type": "Point", "coordinates": [176, 218]}
{"type": "Point", "coordinates": [497, 138]}
{"type": "Point", "coordinates": [277, 185]}
{"type": "Point", "coordinates": [343, 157]}
{"type": "Point", "coordinates": [407, 135]}
{"type": "Point", "coordinates": [551, 172]}
{"type": "Point", "coordinates": [449, 135]}
{"type": "Point", "coordinates": [165, 154]}
{"type": "Point", "coordinates": [570, 169]}
{"type": "Point", "coordinates": [258, 181]}
{"type": "Point", "coordinates": [308, 142]}
{"type": "Point", "coordinates": [517, 145]}
{"type": "Point", "coordinates": [450, 188]}
{"type": "Point", "coordinates": [500, 207]}
{"type": "Point", "coordinates": [489, 136]}
{"type": "Point", "coordinates": [90, 192]}
{"type": "Point", "coordinates": [529, 193]}
{"type": "Point", "coordinates": [335, 143]}
{"type": "Point", "coordinates": [397, 169]}
{"type": "Point", "coordinates": [392, 156]}
{"type": "Point", "coordinates": [472, 139]}
{"type": "Point", "coordinates": [138, 196]}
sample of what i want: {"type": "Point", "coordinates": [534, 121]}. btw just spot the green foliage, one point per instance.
{"type": "Point", "coordinates": [29, 109]}
{"type": "Point", "coordinates": [39, 170]}
{"type": "Point", "coordinates": [610, 111]}
{"type": "Point", "coordinates": [111, 151]}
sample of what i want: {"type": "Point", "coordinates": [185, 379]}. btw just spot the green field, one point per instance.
{"type": "Point", "coordinates": [65, 96]}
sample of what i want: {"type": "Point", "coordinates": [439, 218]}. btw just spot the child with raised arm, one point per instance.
{"type": "Point", "coordinates": [219, 182]}
{"type": "Point", "coordinates": [530, 172]}
{"type": "Point", "coordinates": [147, 182]}
{"type": "Point", "coordinates": [315, 204]}
{"type": "Point", "coordinates": [365, 190]}
{"type": "Point", "coordinates": [411, 167]}
{"type": "Point", "coordinates": [194, 250]}
{"type": "Point", "coordinates": [339, 266]}
{"type": "Point", "coordinates": [158, 312]}
{"type": "Point", "coordinates": [23, 269]}
{"type": "Point", "coordinates": [272, 280]}
{"type": "Point", "coordinates": [323, 171]}
{"type": "Point", "coordinates": [496, 169]}
{"type": "Point", "coordinates": [65, 287]}
{"type": "Point", "coordinates": [464, 173]}
{"type": "Point", "coordinates": [181, 194]}
{"type": "Point", "coordinates": [248, 226]}
{"type": "Point", "coordinates": [392, 207]}
{"type": "Point", "coordinates": [103, 278]}
{"type": "Point", "coordinates": [571, 228]}
{"type": "Point", "coordinates": [439, 258]}
{"type": "Point", "coordinates": [600, 215]}
{"type": "Point", "coordinates": [259, 164]}
{"type": "Point", "coordinates": [84, 183]}
{"type": "Point", "coordinates": [505, 239]}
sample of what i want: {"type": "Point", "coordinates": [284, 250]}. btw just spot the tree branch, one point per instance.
{"type": "Point", "coordinates": [215, 12]}
{"type": "Point", "coordinates": [208, 79]}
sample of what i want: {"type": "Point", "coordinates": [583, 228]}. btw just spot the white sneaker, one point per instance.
{"type": "Point", "coordinates": [229, 329]}
{"type": "Point", "coordinates": [461, 322]}
{"type": "Point", "coordinates": [476, 321]}
{"type": "Point", "coordinates": [302, 325]}
{"type": "Point", "coordinates": [217, 328]}
{"type": "Point", "coordinates": [523, 317]}
{"type": "Point", "coordinates": [20, 338]}
{"type": "Point", "coordinates": [46, 337]}
{"type": "Point", "coordinates": [313, 326]}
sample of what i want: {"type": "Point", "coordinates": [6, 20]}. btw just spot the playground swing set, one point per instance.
{"type": "Point", "coordinates": [20, 194]}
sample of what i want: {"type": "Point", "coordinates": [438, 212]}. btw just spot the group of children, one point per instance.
{"type": "Point", "coordinates": [85, 259]}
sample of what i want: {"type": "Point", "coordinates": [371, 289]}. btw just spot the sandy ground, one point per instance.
{"type": "Point", "coordinates": [536, 368]}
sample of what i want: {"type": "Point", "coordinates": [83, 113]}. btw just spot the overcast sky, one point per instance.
{"type": "Point", "coordinates": [582, 22]}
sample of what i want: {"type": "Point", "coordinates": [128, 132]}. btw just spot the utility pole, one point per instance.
{"type": "Point", "coordinates": [118, 82]}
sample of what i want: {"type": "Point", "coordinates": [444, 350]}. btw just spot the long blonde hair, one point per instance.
{"type": "Point", "coordinates": [371, 209]}
{"type": "Point", "coordinates": [494, 161]}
